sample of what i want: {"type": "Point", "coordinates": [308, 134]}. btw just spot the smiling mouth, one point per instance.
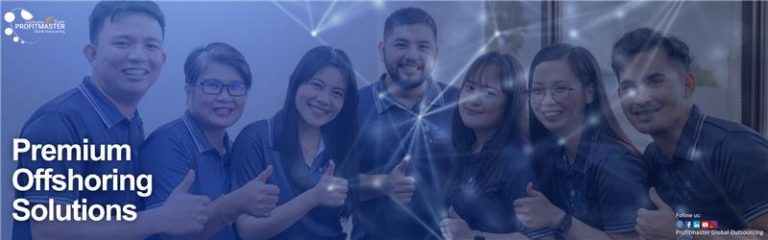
{"type": "Point", "coordinates": [317, 111]}
{"type": "Point", "coordinates": [410, 68]}
{"type": "Point", "coordinates": [223, 110]}
{"type": "Point", "coordinates": [552, 114]}
{"type": "Point", "coordinates": [135, 72]}
{"type": "Point", "coordinates": [646, 111]}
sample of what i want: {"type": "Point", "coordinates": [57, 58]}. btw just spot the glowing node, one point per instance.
{"type": "Point", "coordinates": [496, 33]}
{"type": "Point", "coordinates": [573, 34]}
{"type": "Point", "coordinates": [314, 33]}
{"type": "Point", "coordinates": [8, 31]}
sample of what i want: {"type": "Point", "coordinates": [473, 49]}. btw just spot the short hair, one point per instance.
{"type": "Point", "coordinates": [409, 16]}
{"type": "Point", "coordinates": [644, 39]}
{"type": "Point", "coordinates": [114, 9]}
{"type": "Point", "coordinates": [217, 52]}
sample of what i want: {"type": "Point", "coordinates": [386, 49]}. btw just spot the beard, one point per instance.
{"type": "Point", "coordinates": [410, 83]}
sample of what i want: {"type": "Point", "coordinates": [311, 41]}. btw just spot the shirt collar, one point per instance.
{"type": "Point", "coordinates": [689, 138]}
{"type": "Point", "coordinates": [275, 127]}
{"type": "Point", "coordinates": [106, 110]}
{"type": "Point", "coordinates": [384, 100]}
{"type": "Point", "coordinates": [588, 138]}
{"type": "Point", "coordinates": [202, 143]}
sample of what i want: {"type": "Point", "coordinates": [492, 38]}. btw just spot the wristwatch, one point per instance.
{"type": "Point", "coordinates": [565, 224]}
{"type": "Point", "coordinates": [478, 235]}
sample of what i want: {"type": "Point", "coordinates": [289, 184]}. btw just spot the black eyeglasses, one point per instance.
{"type": "Point", "coordinates": [559, 94]}
{"type": "Point", "coordinates": [214, 87]}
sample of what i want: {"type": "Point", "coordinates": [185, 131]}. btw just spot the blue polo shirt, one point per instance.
{"type": "Point", "coordinates": [388, 132]}
{"type": "Point", "coordinates": [490, 207]}
{"type": "Point", "coordinates": [257, 147]}
{"type": "Point", "coordinates": [719, 170]}
{"type": "Point", "coordinates": [604, 187]}
{"type": "Point", "coordinates": [177, 147]}
{"type": "Point", "coordinates": [83, 112]}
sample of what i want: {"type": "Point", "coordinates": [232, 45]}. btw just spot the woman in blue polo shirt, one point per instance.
{"type": "Point", "coordinates": [592, 178]}
{"type": "Point", "coordinates": [307, 144]}
{"type": "Point", "coordinates": [492, 169]}
{"type": "Point", "coordinates": [196, 147]}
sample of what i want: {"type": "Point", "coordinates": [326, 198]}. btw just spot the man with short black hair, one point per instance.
{"type": "Point", "coordinates": [126, 56]}
{"type": "Point", "coordinates": [699, 164]}
{"type": "Point", "coordinates": [405, 135]}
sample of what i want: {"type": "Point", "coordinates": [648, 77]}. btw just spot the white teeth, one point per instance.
{"type": "Point", "coordinates": [317, 109]}
{"type": "Point", "coordinates": [135, 72]}
{"type": "Point", "coordinates": [552, 113]}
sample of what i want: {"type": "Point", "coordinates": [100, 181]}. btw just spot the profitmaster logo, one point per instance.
{"type": "Point", "coordinates": [19, 24]}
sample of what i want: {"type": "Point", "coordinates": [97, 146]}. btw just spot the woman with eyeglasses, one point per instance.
{"type": "Point", "coordinates": [492, 169]}
{"type": "Point", "coordinates": [190, 155]}
{"type": "Point", "coordinates": [307, 146]}
{"type": "Point", "coordinates": [592, 179]}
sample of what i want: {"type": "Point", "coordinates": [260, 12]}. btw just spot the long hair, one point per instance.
{"type": "Point", "coordinates": [339, 134]}
{"type": "Point", "coordinates": [513, 125]}
{"type": "Point", "coordinates": [586, 68]}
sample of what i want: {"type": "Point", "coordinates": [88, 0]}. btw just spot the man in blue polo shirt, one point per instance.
{"type": "Point", "coordinates": [126, 56]}
{"type": "Point", "coordinates": [701, 165]}
{"type": "Point", "coordinates": [405, 135]}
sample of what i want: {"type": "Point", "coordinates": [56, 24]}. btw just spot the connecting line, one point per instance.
{"type": "Point", "coordinates": [308, 6]}
{"type": "Point", "coordinates": [419, 220]}
{"type": "Point", "coordinates": [320, 25]}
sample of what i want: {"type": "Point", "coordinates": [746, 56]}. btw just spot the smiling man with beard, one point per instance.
{"type": "Point", "coordinates": [405, 135]}
{"type": "Point", "coordinates": [700, 164]}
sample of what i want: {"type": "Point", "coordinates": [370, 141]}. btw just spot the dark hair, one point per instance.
{"type": "Point", "coordinates": [513, 125]}
{"type": "Point", "coordinates": [409, 16]}
{"type": "Point", "coordinates": [584, 65]}
{"type": "Point", "coordinates": [339, 134]}
{"type": "Point", "coordinates": [114, 9]}
{"type": "Point", "coordinates": [218, 52]}
{"type": "Point", "coordinates": [645, 39]}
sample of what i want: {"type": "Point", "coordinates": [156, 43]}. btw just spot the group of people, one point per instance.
{"type": "Point", "coordinates": [407, 157]}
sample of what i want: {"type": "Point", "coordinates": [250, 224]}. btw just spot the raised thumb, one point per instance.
{"type": "Point", "coordinates": [183, 187]}
{"type": "Point", "coordinates": [331, 168]}
{"type": "Point", "coordinates": [264, 175]}
{"type": "Point", "coordinates": [532, 192]}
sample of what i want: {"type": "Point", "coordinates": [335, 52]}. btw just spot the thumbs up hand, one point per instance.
{"type": "Point", "coordinates": [399, 186]}
{"type": "Point", "coordinates": [257, 198]}
{"type": "Point", "coordinates": [330, 191]}
{"type": "Point", "coordinates": [535, 211]}
{"type": "Point", "coordinates": [184, 213]}
{"type": "Point", "coordinates": [656, 224]}
{"type": "Point", "coordinates": [454, 227]}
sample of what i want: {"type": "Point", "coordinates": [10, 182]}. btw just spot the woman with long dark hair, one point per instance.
{"type": "Point", "coordinates": [307, 145]}
{"type": "Point", "coordinates": [592, 178]}
{"type": "Point", "coordinates": [489, 135]}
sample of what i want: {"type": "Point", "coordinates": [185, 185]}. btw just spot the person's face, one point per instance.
{"type": "Point", "coordinates": [214, 110]}
{"type": "Point", "coordinates": [654, 92]}
{"type": "Point", "coordinates": [481, 101]}
{"type": "Point", "coordinates": [319, 100]}
{"type": "Point", "coordinates": [127, 56]}
{"type": "Point", "coordinates": [409, 53]}
{"type": "Point", "coordinates": [558, 98]}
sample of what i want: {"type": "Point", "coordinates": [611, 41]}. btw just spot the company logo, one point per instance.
{"type": "Point", "coordinates": [21, 26]}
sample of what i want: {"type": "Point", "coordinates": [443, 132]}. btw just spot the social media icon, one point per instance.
{"type": "Point", "coordinates": [705, 224]}
{"type": "Point", "coordinates": [680, 224]}
{"type": "Point", "coordinates": [713, 224]}
{"type": "Point", "coordinates": [688, 224]}
{"type": "Point", "coordinates": [696, 224]}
